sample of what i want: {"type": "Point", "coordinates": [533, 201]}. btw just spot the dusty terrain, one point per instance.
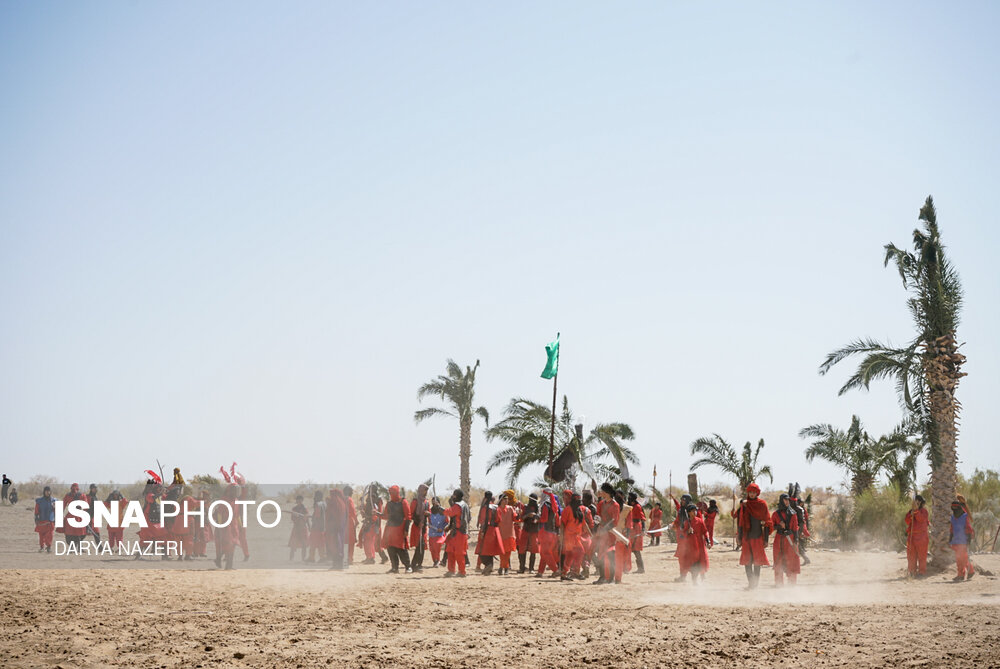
{"type": "Point", "coordinates": [849, 609]}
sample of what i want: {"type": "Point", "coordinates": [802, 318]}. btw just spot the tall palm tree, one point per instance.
{"type": "Point", "coordinates": [717, 451]}
{"type": "Point", "coordinates": [525, 428]}
{"type": "Point", "coordinates": [927, 370]}
{"type": "Point", "coordinates": [458, 389]}
{"type": "Point", "coordinates": [854, 450]}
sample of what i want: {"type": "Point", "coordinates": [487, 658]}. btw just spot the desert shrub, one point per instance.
{"type": "Point", "coordinates": [982, 494]}
{"type": "Point", "coordinates": [878, 518]}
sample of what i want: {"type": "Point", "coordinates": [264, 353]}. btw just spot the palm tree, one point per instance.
{"type": "Point", "coordinates": [864, 458]}
{"type": "Point", "coordinates": [458, 389]}
{"type": "Point", "coordinates": [928, 369]}
{"type": "Point", "coordinates": [526, 427]}
{"type": "Point", "coordinates": [717, 451]}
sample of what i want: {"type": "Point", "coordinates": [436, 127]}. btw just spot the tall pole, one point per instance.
{"type": "Point", "coordinates": [552, 432]}
{"type": "Point", "coordinates": [555, 382]}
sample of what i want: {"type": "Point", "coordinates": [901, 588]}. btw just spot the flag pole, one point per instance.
{"type": "Point", "coordinates": [555, 382]}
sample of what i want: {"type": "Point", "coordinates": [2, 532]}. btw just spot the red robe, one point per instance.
{"type": "Point", "coordinates": [710, 526]}
{"type": "Point", "coordinates": [183, 528]}
{"type": "Point", "coordinates": [548, 541]}
{"type": "Point", "coordinates": [506, 517]}
{"type": "Point", "coordinates": [753, 550]}
{"type": "Point", "coordinates": [490, 540]}
{"type": "Point", "coordinates": [352, 528]}
{"type": "Point", "coordinates": [655, 519]}
{"type": "Point", "coordinates": [786, 561]}
{"type": "Point", "coordinates": [68, 529]}
{"type": "Point", "coordinates": [227, 533]}
{"type": "Point", "coordinates": [572, 534]}
{"type": "Point", "coordinates": [456, 546]}
{"type": "Point", "coordinates": [152, 531]}
{"type": "Point", "coordinates": [394, 536]}
{"type": "Point", "coordinates": [693, 534]}
{"type": "Point", "coordinates": [917, 540]}
{"type": "Point", "coordinates": [638, 517]}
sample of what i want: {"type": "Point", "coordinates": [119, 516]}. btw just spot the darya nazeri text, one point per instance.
{"type": "Point", "coordinates": [136, 548]}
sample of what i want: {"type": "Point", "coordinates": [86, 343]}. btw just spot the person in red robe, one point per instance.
{"type": "Point", "coordinates": [226, 525]}
{"type": "Point", "coordinates": [456, 546]}
{"type": "Point", "coordinates": [203, 528]}
{"type": "Point", "coordinates": [152, 511]}
{"type": "Point", "coordinates": [241, 528]}
{"type": "Point", "coordinates": [638, 531]}
{"type": "Point", "coordinates": [655, 523]}
{"type": "Point", "coordinates": [420, 512]}
{"type": "Point", "coordinates": [753, 523]}
{"type": "Point", "coordinates": [397, 517]}
{"type": "Point", "coordinates": [506, 517]}
{"type": "Point", "coordinates": [370, 534]}
{"type": "Point", "coordinates": [336, 526]}
{"type": "Point", "coordinates": [609, 511]}
{"type": "Point", "coordinates": [527, 542]}
{"type": "Point", "coordinates": [490, 544]}
{"type": "Point", "coordinates": [680, 517]}
{"type": "Point", "coordinates": [183, 528]}
{"type": "Point", "coordinates": [571, 524]}
{"type": "Point", "coordinates": [299, 538]}
{"type": "Point", "coordinates": [351, 533]}
{"type": "Point", "coordinates": [710, 515]}
{"type": "Point", "coordinates": [694, 534]}
{"type": "Point", "coordinates": [784, 550]}
{"type": "Point", "coordinates": [917, 538]}
{"type": "Point", "coordinates": [548, 534]}
{"type": "Point", "coordinates": [589, 509]}
{"type": "Point", "coordinates": [74, 535]}
{"type": "Point", "coordinates": [317, 528]}
{"type": "Point", "coordinates": [45, 519]}
{"type": "Point", "coordinates": [116, 534]}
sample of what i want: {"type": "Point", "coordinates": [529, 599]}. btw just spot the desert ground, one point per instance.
{"type": "Point", "coordinates": [849, 609]}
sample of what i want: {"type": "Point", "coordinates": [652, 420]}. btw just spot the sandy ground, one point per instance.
{"type": "Point", "coordinates": [849, 609]}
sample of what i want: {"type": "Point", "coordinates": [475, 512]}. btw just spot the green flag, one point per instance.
{"type": "Point", "coordinates": [552, 364]}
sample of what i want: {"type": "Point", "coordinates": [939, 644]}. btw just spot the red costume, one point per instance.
{"type": "Point", "coordinates": [548, 534]}
{"type": "Point", "coordinates": [226, 524]}
{"type": "Point", "coordinates": [73, 495]}
{"type": "Point", "coordinates": [572, 536]}
{"type": "Point", "coordinates": [693, 534]}
{"type": "Point", "coordinates": [710, 517]}
{"type": "Point", "coordinates": [152, 512]}
{"type": "Point", "coordinates": [183, 528]}
{"type": "Point", "coordinates": [397, 516]}
{"type": "Point", "coordinates": [203, 528]}
{"type": "Point", "coordinates": [457, 544]}
{"type": "Point", "coordinates": [352, 527]}
{"type": "Point", "coordinates": [917, 540]}
{"type": "Point", "coordinates": [609, 511]}
{"type": "Point", "coordinates": [784, 551]}
{"type": "Point", "coordinates": [753, 521]}
{"type": "Point", "coordinates": [508, 536]}
{"type": "Point", "coordinates": [655, 523]}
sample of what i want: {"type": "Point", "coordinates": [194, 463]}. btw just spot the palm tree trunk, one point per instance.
{"type": "Point", "coordinates": [464, 453]}
{"type": "Point", "coordinates": [943, 371]}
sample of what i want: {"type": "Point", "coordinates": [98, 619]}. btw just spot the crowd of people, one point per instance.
{"type": "Point", "coordinates": [569, 535]}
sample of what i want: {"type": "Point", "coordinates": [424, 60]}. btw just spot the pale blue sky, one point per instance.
{"type": "Point", "coordinates": [249, 231]}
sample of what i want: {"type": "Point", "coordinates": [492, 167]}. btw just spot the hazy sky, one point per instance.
{"type": "Point", "coordinates": [250, 231]}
